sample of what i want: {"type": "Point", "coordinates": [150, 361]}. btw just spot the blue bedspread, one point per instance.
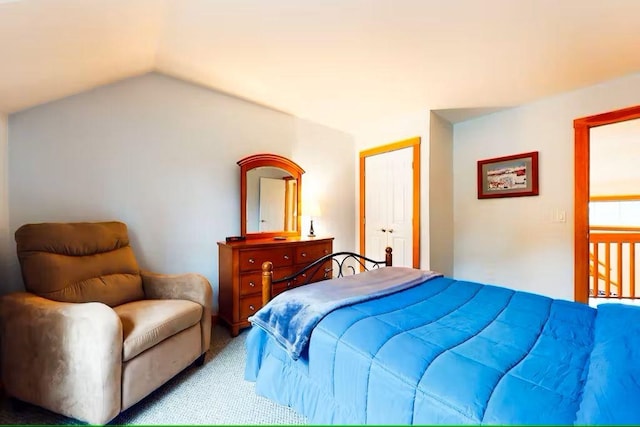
{"type": "Point", "coordinates": [455, 352]}
{"type": "Point", "coordinates": [291, 316]}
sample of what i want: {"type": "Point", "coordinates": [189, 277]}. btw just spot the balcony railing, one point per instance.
{"type": "Point", "coordinates": [612, 262]}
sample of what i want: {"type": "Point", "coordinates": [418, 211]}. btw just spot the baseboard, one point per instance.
{"type": "Point", "coordinates": [214, 320]}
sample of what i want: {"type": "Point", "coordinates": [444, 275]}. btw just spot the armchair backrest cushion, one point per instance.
{"type": "Point", "coordinates": [79, 262]}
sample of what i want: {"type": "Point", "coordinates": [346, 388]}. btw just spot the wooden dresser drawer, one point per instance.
{"type": "Point", "coordinates": [240, 272]}
{"type": "Point", "coordinates": [308, 253]}
{"type": "Point", "coordinates": [249, 305]}
{"type": "Point", "coordinates": [323, 272]}
{"type": "Point", "coordinates": [252, 259]}
{"type": "Point", "coordinates": [251, 283]}
{"type": "Point", "coordinates": [281, 287]}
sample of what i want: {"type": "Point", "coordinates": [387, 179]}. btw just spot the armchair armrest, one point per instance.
{"type": "Point", "coordinates": [71, 350]}
{"type": "Point", "coordinates": [190, 286]}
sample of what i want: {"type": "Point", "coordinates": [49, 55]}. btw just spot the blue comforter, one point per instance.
{"type": "Point", "coordinates": [454, 352]}
{"type": "Point", "coordinates": [291, 316]}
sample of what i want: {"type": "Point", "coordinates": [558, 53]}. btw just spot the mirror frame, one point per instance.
{"type": "Point", "coordinates": [273, 160]}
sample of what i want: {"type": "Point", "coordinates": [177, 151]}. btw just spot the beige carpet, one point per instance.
{"type": "Point", "coordinates": [215, 393]}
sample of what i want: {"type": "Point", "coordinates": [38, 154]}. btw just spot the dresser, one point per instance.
{"type": "Point", "coordinates": [240, 272]}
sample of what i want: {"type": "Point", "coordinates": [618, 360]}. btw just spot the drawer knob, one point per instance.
{"type": "Point", "coordinates": [303, 254]}
{"type": "Point", "coordinates": [326, 251]}
{"type": "Point", "coordinates": [252, 261]}
{"type": "Point", "coordinates": [252, 308]}
{"type": "Point", "coordinates": [253, 285]}
{"type": "Point", "coordinates": [304, 275]}
{"type": "Point", "coordinates": [286, 257]}
{"type": "Point", "coordinates": [326, 275]}
{"type": "Point", "coordinates": [288, 284]}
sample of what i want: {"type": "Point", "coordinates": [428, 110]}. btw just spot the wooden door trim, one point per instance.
{"type": "Point", "coordinates": [398, 145]}
{"type": "Point", "coordinates": [615, 198]}
{"type": "Point", "coordinates": [582, 128]}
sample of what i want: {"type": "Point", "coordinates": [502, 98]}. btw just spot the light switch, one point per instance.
{"type": "Point", "coordinates": [559, 215]}
{"type": "Point", "coordinates": [562, 216]}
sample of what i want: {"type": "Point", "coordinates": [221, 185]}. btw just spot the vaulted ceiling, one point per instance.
{"type": "Point", "coordinates": [337, 62]}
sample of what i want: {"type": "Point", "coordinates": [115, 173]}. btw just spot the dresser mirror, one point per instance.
{"type": "Point", "coordinates": [270, 189]}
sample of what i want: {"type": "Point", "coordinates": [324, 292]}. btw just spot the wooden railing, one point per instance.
{"type": "Point", "coordinates": [612, 261]}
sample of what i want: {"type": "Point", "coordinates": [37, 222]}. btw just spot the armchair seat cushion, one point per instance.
{"type": "Point", "coordinates": [146, 323]}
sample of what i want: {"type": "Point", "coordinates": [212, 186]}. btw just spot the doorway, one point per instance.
{"type": "Point", "coordinates": [390, 202]}
{"type": "Point", "coordinates": [272, 212]}
{"type": "Point", "coordinates": [585, 265]}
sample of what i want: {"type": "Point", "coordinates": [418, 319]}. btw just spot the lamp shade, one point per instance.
{"type": "Point", "coordinates": [312, 208]}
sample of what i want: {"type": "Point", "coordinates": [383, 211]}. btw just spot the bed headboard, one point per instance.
{"type": "Point", "coordinates": [341, 262]}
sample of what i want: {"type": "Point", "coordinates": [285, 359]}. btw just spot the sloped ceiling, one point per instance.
{"type": "Point", "coordinates": [337, 62]}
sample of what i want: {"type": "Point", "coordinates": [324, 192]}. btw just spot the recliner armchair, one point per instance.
{"type": "Point", "coordinates": [93, 335]}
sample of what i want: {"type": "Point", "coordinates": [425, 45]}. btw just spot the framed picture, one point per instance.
{"type": "Point", "coordinates": [509, 176]}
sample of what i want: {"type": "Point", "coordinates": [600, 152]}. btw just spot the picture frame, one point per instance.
{"type": "Point", "coordinates": [508, 176]}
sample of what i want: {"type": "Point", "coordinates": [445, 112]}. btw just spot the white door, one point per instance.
{"type": "Point", "coordinates": [376, 207]}
{"type": "Point", "coordinates": [389, 205]}
{"type": "Point", "coordinates": [272, 201]}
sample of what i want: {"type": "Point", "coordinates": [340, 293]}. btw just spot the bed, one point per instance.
{"type": "Point", "coordinates": [428, 349]}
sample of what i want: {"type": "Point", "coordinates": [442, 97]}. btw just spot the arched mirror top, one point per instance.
{"type": "Point", "coordinates": [270, 191]}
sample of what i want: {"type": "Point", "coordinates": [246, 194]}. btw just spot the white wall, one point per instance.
{"type": "Point", "coordinates": [159, 154]}
{"type": "Point", "coordinates": [5, 238]}
{"type": "Point", "coordinates": [513, 241]}
{"type": "Point", "coordinates": [326, 155]}
{"type": "Point", "coordinates": [388, 131]}
{"type": "Point", "coordinates": [441, 195]}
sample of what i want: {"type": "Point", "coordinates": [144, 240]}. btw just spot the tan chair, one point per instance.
{"type": "Point", "coordinates": [93, 334]}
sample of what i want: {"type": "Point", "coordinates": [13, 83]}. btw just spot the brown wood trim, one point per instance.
{"type": "Point", "coordinates": [632, 271]}
{"type": "Point", "coordinates": [416, 204]}
{"type": "Point", "coordinates": [361, 211]}
{"type": "Point", "coordinates": [287, 202]}
{"type": "Point", "coordinates": [581, 221]}
{"type": "Point", "coordinates": [615, 237]}
{"type": "Point", "coordinates": [405, 143]}
{"type": "Point", "coordinates": [398, 145]}
{"type": "Point", "coordinates": [596, 268]}
{"type": "Point", "coordinates": [268, 159]}
{"type": "Point", "coordinates": [607, 272]}
{"type": "Point", "coordinates": [613, 228]}
{"type": "Point", "coordinates": [610, 117]}
{"type": "Point", "coordinates": [619, 265]}
{"type": "Point", "coordinates": [615, 198]}
{"type": "Point", "coordinates": [581, 192]}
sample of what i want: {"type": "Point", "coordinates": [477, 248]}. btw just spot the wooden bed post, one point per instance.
{"type": "Point", "coordinates": [388, 258]}
{"type": "Point", "coordinates": [267, 277]}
